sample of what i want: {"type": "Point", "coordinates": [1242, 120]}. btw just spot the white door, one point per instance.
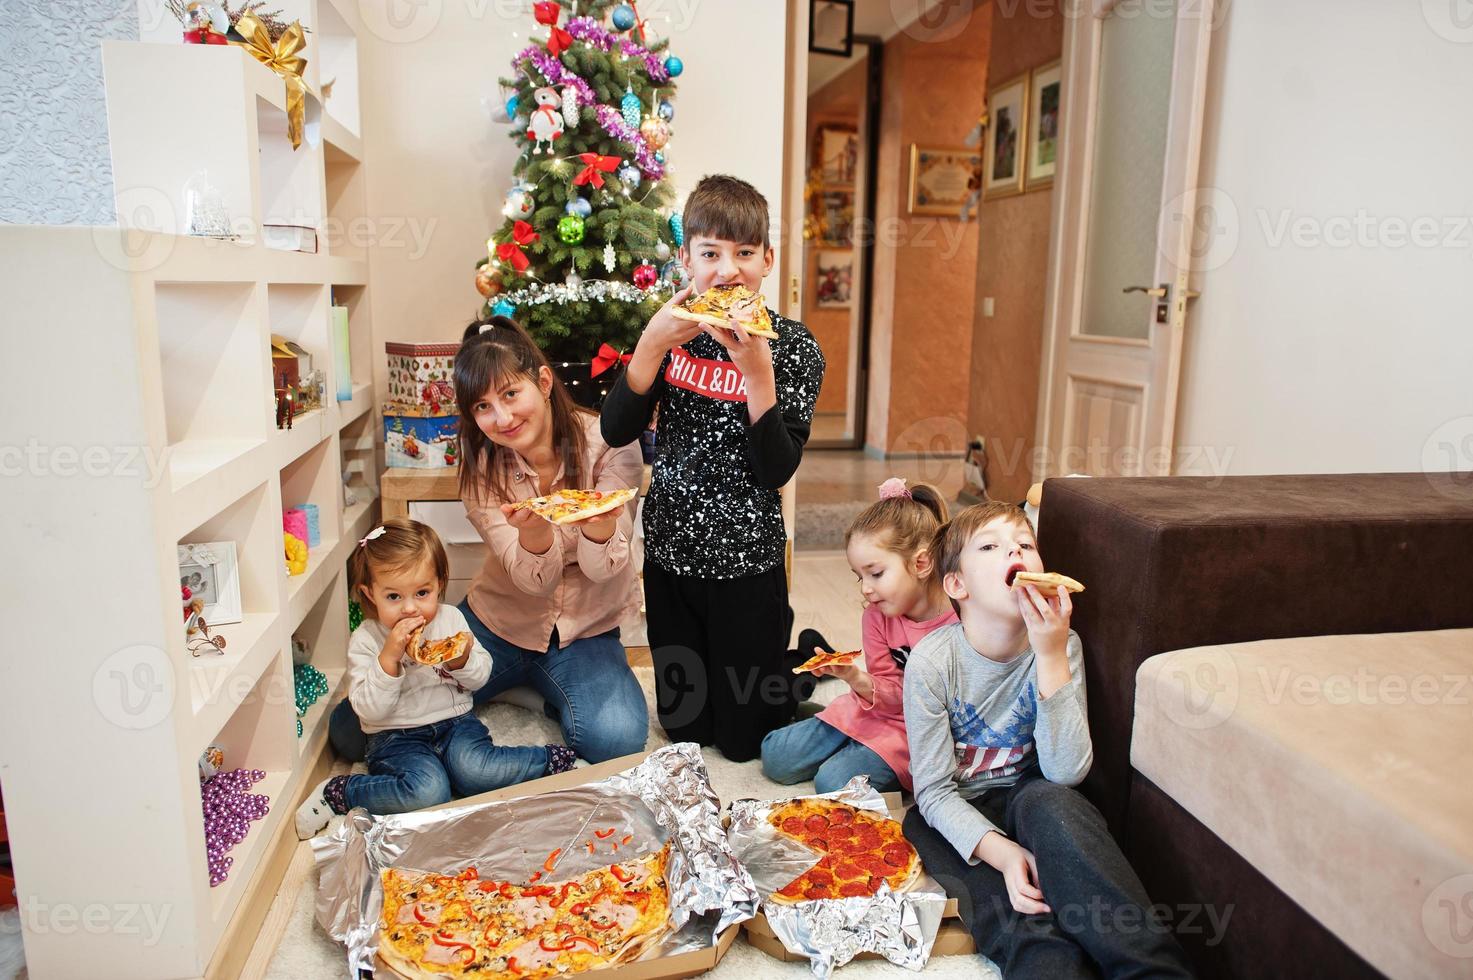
{"type": "Point", "coordinates": [1135, 79]}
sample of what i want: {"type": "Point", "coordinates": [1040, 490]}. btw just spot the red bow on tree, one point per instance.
{"type": "Point", "coordinates": [594, 164]}
{"type": "Point", "coordinates": [639, 22]}
{"type": "Point", "coordinates": [522, 236]}
{"type": "Point", "coordinates": [606, 358]}
{"type": "Point", "coordinates": [558, 40]}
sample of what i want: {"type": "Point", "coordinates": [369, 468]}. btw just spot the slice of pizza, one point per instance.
{"type": "Point", "coordinates": [829, 658]}
{"type": "Point", "coordinates": [432, 653]}
{"type": "Point", "coordinates": [862, 851]}
{"type": "Point", "coordinates": [440, 926]}
{"type": "Point", "coordinates": [571, 506]}
{"type": "Point", "coordinates": [719, 305]}
{"type": "Point", "coordinates": [1046, 582]}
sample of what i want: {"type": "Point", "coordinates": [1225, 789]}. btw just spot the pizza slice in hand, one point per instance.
{"type": "Point", "coordinates": [432, 653]}
{"type": "Point", "coordinates": [720, 305]}
{"type": "Point", "coordinates": [572, 506]}
{"type": "Point", "coordinates": [829, 658]}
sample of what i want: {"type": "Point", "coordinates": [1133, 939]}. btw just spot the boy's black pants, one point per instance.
{"type": "Point", "coordinates": [1099, 924]}
{"type": "Point", "coordinates": [718, 647]}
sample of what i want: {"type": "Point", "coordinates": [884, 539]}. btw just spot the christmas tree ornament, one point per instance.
{"type": "Point", "coordinates": [488, 282]}
{"type": "Point", "coordinates": [645, 276]}
{"type": "Point", "coordinates": [677, 229]}
{"type": "Point", "coordinates": [519, 202]}
{"type": "Point", "coordinates": [514, 251]}
{"type": "Point", "coordinates": [610, 259]}
{"type": "Point", "coordinates": [594, 168]}
{"type": "Point", "coordinates": [629, 176]}
{"type": "Point", "coordinates": [572, 115]}
{"type": "Point", "coordinates": [572, 280]}
{"type": "Point", "coordinates": [674, 66]}
{"type": "Point", "coordinates": [660, 157]}
{"type": "Point", "coordinates": [511, 106]}
{"type": "Point", "coordinates": [546, 124]}
{"type": "Point", "coordinates": [631, 108]}
{"type": "Point", "coordinates": [570, 228]}
{"type": "Point", "coordinates": [662, 251]}
{"type": "Point", "coordinates": [674, 273]}
{"type": "Point", "coordinates": [579, 206]}
{"type": "Point", "coordinates": [666, 110]}
{"type": "Point", "coordinates": [623, 17]}
{"type": "Point", "coordinates": [655, 132]}
{"type": "Point", "coordinates": [503, 308]}
{"type": "Point", "coordinates": [558, 40]}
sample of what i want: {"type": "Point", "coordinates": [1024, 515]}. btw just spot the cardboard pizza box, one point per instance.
{"type": "Point", "coordinates": [952, 938]}
{"type": "Point", "coordinates": [666, 967]}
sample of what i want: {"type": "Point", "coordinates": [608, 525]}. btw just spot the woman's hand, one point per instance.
{"type": "Point", "coordinates": [601, 527]}
{"type": "Point", "coordinates": [1019, 871]}
{"type": "Point", "coordinates": [533, 533]}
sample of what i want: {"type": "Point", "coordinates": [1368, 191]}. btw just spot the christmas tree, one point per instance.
{"type": "Point", "coordinates": [585, 255]}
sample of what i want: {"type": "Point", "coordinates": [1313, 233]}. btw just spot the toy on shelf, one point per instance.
{"type": "Point", "coordinates": [296, 554]}
{"type": "Point", "coordinates": [285, 411]}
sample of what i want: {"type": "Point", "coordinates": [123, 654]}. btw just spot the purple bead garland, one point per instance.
{"type": "Point", "coordinates": [229, 809]}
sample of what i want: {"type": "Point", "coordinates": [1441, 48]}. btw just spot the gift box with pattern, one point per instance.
{"type": "Point", "coordinates": [421, 380]}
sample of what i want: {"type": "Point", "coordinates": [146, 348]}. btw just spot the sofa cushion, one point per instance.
{"type": "Point", "coordinates": [1338, 767]}
{"type": "Point", "coordinates": [1184, 562]}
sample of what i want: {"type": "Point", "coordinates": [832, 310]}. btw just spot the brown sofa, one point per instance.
{"type": "Point", "coordinates": [1185, 563]}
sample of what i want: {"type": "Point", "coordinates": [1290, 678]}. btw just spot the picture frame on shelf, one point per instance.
{"type": "Point", "coordinates": [1045, 89]}
{"type": "Point", "coordinates": [940, 179]}
{"type": "Point", "coordinates": [834, 217]}
{"type": "Point", "coordinates": [212, 574]}
{"type": "Point", "coordinates": [834, 273]}
{"type": "Point", "coordinates": [836, 155]}
{"type": "Point", "coordinates": [1003, 145]}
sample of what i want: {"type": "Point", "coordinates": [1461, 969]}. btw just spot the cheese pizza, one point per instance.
{"type": "Point", "coordinates": [862, 851]}
{"type": "Point", "coordinates": [436, 652]}
{"type": "Point", "coordinates": [454, 926]}
{"type": "Point", "coordinates": [720, 305]}
{"type": "Point", "coordinates": [828, 658]}
{"type": "Point", "coordinates": [1046, 582]}
{"type": "Point", "coordinates": [571, 506]}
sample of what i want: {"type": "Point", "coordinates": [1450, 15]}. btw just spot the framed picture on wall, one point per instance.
{"type": "Point", "coordinates": [834, 272]}
{"type": "Point", "coordinates": [834, 211]}
{"type": "Point", "coordinates": [1002, 157]}
{"type": "Point", "coordinates": [836, 156]}
{"type": "Point", "coordinates": [1044, 88]}
{"type": "Point", "coordinates": [940, 179]}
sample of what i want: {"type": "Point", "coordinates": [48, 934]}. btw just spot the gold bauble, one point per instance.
{"type": "Point", "coordinates": [488, 284]}
{"type": "Point", "coordinates": [655, 132]}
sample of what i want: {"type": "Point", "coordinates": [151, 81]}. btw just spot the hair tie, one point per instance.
{"type": "Point", "coordinates": [894, 487]}
{"type": "Point", "coordinates": [377, 532]}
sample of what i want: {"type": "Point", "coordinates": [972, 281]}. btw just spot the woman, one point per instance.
{"type": "Point", "coordinates": [548, 602]}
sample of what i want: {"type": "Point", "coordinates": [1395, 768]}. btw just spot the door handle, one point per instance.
{"type": "Point", "coordinates": [1159, 292]}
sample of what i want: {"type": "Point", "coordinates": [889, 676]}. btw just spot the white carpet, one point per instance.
{"type": "Point", "coordinates": [307, 952]}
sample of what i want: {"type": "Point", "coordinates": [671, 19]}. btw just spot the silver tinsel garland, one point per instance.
{"type": "Point", "coordinates": [594, 290]}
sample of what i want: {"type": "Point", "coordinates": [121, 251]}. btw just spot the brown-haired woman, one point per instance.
{"type": "Point", "coordinates": [548, 602]}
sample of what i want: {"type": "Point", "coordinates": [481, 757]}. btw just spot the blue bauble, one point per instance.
{"type": "Point", "coordinates": [674, 66]}
{"type": "Point", "coordinates": [511, 106]}
{"type": "Point", "coordinates": [579, 207]}
{"type": "Point", "coordinates": [677, 229]}
{"type": "Point", "coordinates": [503, 308]}
{"type": "Point", "coordinates": [629, 176]}
{"type": "Point", "coordinates": [623, 17]}
{"type": "Point", "coordinates": [660, 157]}
{"type": "Point", "coordinates": [630, 107]}
{"type": "Point", "coordinates": [666, 110]}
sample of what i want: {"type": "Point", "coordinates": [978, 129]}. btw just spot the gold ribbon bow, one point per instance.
{"type": "Point", "coordinates": [283, 57]}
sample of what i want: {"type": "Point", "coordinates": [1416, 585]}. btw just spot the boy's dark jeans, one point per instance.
{"type": "Point", "coordinates": [1099, 925]}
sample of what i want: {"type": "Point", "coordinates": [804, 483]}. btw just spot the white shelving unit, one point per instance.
{"type": "Point", "coordinates": [162, 358]}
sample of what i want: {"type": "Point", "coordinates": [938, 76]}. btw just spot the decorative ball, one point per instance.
{"type": "Point", "coordinates": [677, 229]}
{"type": "Point", "coordinates": [674, 66]}
{"type": "Point", "coordinates": [511, 106]}
{"type": "Point", "coordinates": [655, 132]}
{"type": "Point", "coordinates": [355, 615]}
{"type": "Point", "coordinates": [629, 176]}
{"type": "Point", "coordinates": [674, 273]}
{"type": "Point", "coordinates": [662, 251]}
{"type": "Point", "coordinates": [570, 229]}
{"type": "Point", "coordinates": [660, 157]}
{"type": "Point", "coordinates": [623, 17]}
{"type": "Point", "coordinates": [578, 206]}
{"type": "Point", "coordinates": [488, 281]}
{"type": "Point", "coordinates": [630, 107]}
{"type": "Point", "coordinates": [645, 275]}
{"type": "Point", "coordinates": [573, 280]}
{"type": "Point", "coordinates": [503, 308]}
{"type": "Point", "coordinates": [519, 202]}
{"type": "Point", "coordinates": [666, 110]}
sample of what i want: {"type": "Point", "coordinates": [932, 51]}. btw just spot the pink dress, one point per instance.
{"type": "Point", "coordinates": [880, 727]}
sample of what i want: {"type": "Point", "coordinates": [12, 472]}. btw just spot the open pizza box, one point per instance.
{"type": "Point", "coordinates": [952, 939]}
{"type": "Point", "coordinates": [665, 968]}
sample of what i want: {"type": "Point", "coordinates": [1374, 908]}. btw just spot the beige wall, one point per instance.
{"type": "Point", "coordinates": [1012, 264]}
{"type": "Point", "coordinates": [438, 164]}
{"type": "Point", "coordinates": [925, 278]}
{"type": "Point", "coordinates": [1345, 345]}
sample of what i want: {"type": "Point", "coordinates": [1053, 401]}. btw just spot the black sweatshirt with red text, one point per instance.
{"type": "Point", "coordinates": [713, 509]}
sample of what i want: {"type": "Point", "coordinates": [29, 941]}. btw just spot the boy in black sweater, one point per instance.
{"type": "Point", "coordinates": [734, 415]}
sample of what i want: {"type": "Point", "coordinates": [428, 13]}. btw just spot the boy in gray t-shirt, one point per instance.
{"type": "Point", "coordinates": [995, 717]}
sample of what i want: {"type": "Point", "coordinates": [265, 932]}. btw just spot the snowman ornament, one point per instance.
{"type": "Point", "coordinates": [546, 123]}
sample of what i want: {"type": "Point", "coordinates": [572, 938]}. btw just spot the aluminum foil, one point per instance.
{"type": "Point", "coordinates": [900, 926]}
{"type": "Point", "coordinates": [666, 797]}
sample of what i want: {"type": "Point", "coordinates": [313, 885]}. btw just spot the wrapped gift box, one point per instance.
{"type": "Point", "coordinates": [421, 442]}
{"type": "Point", "coordinates": [421, 380]}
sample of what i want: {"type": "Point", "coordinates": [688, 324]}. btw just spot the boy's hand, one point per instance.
{"type": "Point", "coordinates": [752, 355]}
{"type": "Point", "coordinates": [1019, 871]}
{"type": "Point", "coordinates": [665, 330]}
{"type": "Point", "coordinates": [1047, 619]}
